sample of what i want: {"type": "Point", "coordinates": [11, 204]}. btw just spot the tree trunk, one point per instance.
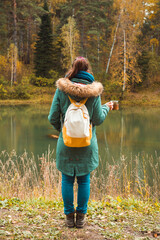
{"type": "Point", "coordinates": [122, 134]}
{"type": "Point", "coordinates": [124, 81]}
{"type": "Point", "coordinates": [15, 41]}
{"type": "Point", "coordinates": [12, 69]}
{"type": "Point", "coordinates": [114, 40]}
{"type": "Point", "coordinates": [71, 45]}
{"type": "Point", "coordinates": [98, 50]}
{"type": "Point", "coordinates": [82, 38]}
{"type": "Point", "coordinates": [28, 42]}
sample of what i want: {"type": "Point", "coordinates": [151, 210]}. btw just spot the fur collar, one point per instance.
{"type": "Point", "coordinates": [79, 90]}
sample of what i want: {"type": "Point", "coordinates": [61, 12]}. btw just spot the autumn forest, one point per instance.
{"type": "Point", "coordinates": [39, 40]}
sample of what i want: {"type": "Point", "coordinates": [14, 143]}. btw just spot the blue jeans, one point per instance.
{"type": "Point", "coordinates": [68, 195]}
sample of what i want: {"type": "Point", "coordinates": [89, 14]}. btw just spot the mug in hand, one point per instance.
{"type": "Point", "coordinates": [115, 105]}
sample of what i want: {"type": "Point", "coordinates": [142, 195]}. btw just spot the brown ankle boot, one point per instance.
{"type": "Point", "coordinates": [70, 220]}
{"type": "Point", "coordinates": [80, 220]}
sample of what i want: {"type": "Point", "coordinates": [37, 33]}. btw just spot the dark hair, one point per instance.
{"type": "Point", "coordinates": [79, 64]}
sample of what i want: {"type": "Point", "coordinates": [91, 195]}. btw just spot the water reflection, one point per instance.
{"type": "Point", "coordinates": [129, 132]}
{"type": "Point", "coordinates": [126, 132]}
{"type": "Point", "coordinates": [25, 128]}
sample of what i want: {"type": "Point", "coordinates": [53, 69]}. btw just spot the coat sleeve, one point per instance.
{"type": "Point", "coordinates": [99, 112]}
{"type": "Point", "coordinates": [54, 116]}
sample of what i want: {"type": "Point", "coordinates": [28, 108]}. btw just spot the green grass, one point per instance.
{"type": "Point", "coordinates": [112, 218]}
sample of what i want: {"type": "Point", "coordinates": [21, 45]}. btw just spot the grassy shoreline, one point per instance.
{"type": "Point", "coordinates": [45, 96]}
{"type": "Point", "coordinates": [45, 99]}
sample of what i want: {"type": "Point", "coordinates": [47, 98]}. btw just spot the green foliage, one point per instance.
{"type": "Point", "coordinates": [3, 81]}
{"type": "Point", "coordinates": [149, 61]}
{"type": "Point", "coordinates": [27, 15]}
{"type": "Point", "coordinates": [113, 90]}
{"type": "Point", "coordinates": [44, 82]}
{"type": "Point", "coordinates": [21, 92]}
{"type": "Point", "coordinates": [41, 82]}
{"type": "Point", "coordinates": [93, 20]}
{"type": "Point", "coordinates": [3, 26]}
{"type": "Point", "coordinates": [17, 91]}
{"type": "Point", "coordinates": [154, 64]}
{"type": "Point", "coordinates": [40, 41]}
{"type": "Point", "coordinates": [3, 92]}
{"type": "Point", "coordinates": [143, 62]}
{"type": "Point", "coordinates": [101, 76]}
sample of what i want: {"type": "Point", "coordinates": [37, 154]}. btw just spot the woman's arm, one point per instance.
{"type": "Point", "coordinates": [55, 112]}
{"type": "Point", "coordinates": [99, 112]}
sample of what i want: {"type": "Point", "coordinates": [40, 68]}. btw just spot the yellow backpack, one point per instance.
{"type": "Point", "coordinates": [77, 130]}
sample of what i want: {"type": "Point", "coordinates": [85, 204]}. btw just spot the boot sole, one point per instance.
{"type": "Point", "coordinates": [70, 226]}
{"type": "Point", "coordinates": [80, 226]}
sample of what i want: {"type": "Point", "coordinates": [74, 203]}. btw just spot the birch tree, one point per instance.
{"type": "Point", "coordinates": [14, 79]}
{"type": "Point", "coordinates": [70, 40]}
{"type": "Point", "coordinates": [124, 69]}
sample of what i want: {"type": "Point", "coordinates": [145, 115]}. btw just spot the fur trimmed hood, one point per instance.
{"type": "Point", "coordinates": [79, 90]}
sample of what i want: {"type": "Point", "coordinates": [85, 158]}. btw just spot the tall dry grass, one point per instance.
{"type": "Point", "coordinates": [22, 177]}
{"type": "Point", "coordinates": [140, 177]}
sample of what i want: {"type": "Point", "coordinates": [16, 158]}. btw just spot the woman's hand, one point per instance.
{"type": "Point", "coordinates": [110, 105]}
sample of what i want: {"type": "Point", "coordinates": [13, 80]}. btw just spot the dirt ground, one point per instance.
{"type": "Point", "coordinates": [104, 221]}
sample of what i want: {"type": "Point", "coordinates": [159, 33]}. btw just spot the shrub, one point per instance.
{"type": "Point", "coordinates": [44, 82]}
{"type": "Point", "coordinates": [21, 91]}
{"type": "Point", "coordinates": [3, 81]}
{"type": "Point", "coordinates": [3, 92]}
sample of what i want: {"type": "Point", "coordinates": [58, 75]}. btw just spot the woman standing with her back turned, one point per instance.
{"type": "Point", "coordinates": [77, 161]}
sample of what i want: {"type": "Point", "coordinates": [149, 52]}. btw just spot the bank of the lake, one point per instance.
{"type": "Point", "coordinates": [44, 95]}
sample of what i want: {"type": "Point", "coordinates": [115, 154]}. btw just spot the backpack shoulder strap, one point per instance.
{"type": "Point", "coordinates": [82, 102]}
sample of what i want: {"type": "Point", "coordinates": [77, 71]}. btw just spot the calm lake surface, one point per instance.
{"type": "Point", "coordinates": [128, 132]}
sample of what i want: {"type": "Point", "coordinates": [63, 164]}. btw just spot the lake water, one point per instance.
{"type": "Point", "coordinates": [128, 132]}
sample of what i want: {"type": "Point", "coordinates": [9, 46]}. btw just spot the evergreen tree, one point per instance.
{"type": "Point", "coordinates": [3, 26]}
{"type": "Point", "coordinates": [149, 61]}
{"type": "Point", "coordinates": [44, 46]}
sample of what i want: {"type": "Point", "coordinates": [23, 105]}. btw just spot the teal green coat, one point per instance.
{"type": "Point", "coordinates": [77, 161]}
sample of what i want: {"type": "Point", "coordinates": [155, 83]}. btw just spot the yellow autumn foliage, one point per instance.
{"type": "Point", "coordinates": [132, 17]}
{"type": "Point", "coordinates": [3, 64]}
{"type": "Point", "coordinates": [70, 39]}
{"type": "Point", "coordinates": [154, 41]}
{"type": "Point", "coordinates": [6, 65]}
